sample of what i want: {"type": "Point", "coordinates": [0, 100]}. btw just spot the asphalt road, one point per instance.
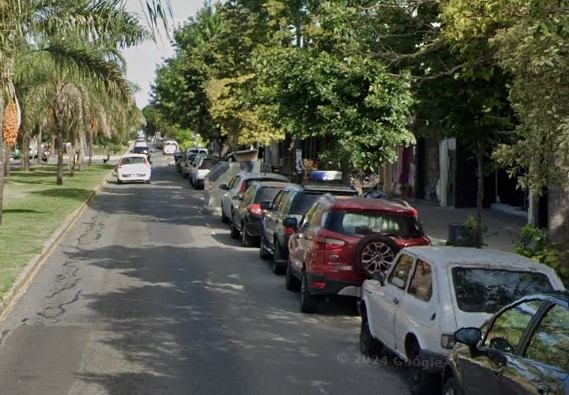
{"type": "Point", "coordinates": [147, 295]}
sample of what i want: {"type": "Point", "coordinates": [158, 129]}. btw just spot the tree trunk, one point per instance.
{"type": "Point", "coordinates": [71, 160]}
{"type": "Point", "coordinates": [479, 197]}
{"type": "Point", "coordinates": [81, 151]}
{"type": "Point", "coordinates": [40, 145]}
{"type": "Point", "coordinates": [25, 156]}
{"type": "Point", "coordinates": [2, 161]}
{"type": "Point", "coordinates": [90, 146]}
{"type": "Point", "coordinates": [7, 167]}
{"type": "Point", "coordinates": [59, 142]}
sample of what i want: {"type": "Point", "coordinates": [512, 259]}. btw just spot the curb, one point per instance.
{"type": "Point", "coordinates": [33, 267]}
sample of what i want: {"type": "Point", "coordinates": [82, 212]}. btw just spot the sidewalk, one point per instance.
{"type": "Point", "coordinates": [503, 228]}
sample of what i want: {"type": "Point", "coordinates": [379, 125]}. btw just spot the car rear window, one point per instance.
{"type": "Point", "coordinates": [488, 290]}
{"type": "Point", "coordinates": [302, 202]}
{"type": "Point", "coordinates": [351, 223]}
{"type": "Point", "coordinates": [266, 193]}
{"type": "Point", "coordinates": [135, 160]}
{"type": "Point", "coordinates": [140, 149]}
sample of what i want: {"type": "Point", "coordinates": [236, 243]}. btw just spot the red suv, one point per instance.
{"type": "Point", "coordinates": [341, 241]}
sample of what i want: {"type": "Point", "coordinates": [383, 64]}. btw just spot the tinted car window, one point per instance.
{"type": "Point", "coordinates": [265, 194]}
{"type": "Point", "coordinates": [550, 342]}
{"type": "Point", "coordinates": [133, 160]}
{"type": "Point", "coordinates": [509, 327]}
{"type": "Point", "coordinates": [400, 272]}
{"type": "Point", "coordinates": [350, 223]}
{"type": "Point", "coordinates": [140, 149]}
{"type": "Point", "coordinates": [219, 169]}
{"type": "Point", "coordinates": [488, 290]}
{"type": "Point", "coordinates": [301, 202]}
{"type": "Point", "coordinates": [422, 281]}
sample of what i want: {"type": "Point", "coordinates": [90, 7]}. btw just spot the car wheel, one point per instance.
{"type": "Point", "coordinates": [234, 231]}
{"type": "Point", "coordinates": [246, 240]}
{"type": "Point", "coordinates": [421, 382]}
{"type": "Point", "coordinates": [308, 302]}
{"type": "Point", "coordinates": [119, 181]}
{"type": "Point", "coordinates": [375, 252]}
{"type": "Point", "coordinates": [263, 253]}
{"type": "Point", "coordinates": [451, 387]}
{"type": "Point", "coordinates": [368, 344]}
{"type": "Point", "coordinates": [277, 265]}
{"type": "Point", "coordinates": [291, 282]}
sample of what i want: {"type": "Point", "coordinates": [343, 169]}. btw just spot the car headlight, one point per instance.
{"type": "Point", "coordinates": [447, 341]}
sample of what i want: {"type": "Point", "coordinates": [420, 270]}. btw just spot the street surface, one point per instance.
{"type": "Point", "coordinates": [147, 295]}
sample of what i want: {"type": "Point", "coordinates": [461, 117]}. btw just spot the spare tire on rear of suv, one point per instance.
{"type": "Point", "coordinates": [375, 252]}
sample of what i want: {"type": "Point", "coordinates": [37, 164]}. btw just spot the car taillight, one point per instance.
{"type": "Point", "coordinates": [289, 231]}
{"type": "Point", "coordinates": [255, 209]}
{"type": "Point", "coordinates": [145, 161]}
{"type": "Point", "coordinates": [243, 188]}
{"type": "Point", "coordinates": [327, 243]}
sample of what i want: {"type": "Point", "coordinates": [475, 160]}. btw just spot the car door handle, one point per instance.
{"type": "Point", "coordinates": [395, 301]}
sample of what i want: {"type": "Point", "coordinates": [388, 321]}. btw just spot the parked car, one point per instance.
{"type": "Point", "coordinates": [247, 216]}
{"type": "Point", "coordinates": [415, 308]}
{"type": "Point", "coordinates": [170, 146]}
{"type": "Point", "coordinates": [133, 167]}
{"type": "Point", "coordinates": [341, 241]}
{"type": "Point", "coordinates": [237, 187]}
{"type": "Point", "coordinates": [188, 164]}
{"type": "Point", "coordinates": [291, 202]}
{"type": "Point", "coordinates": [523, 349]}
{"type": "Point", "coordinates": [200, 168]}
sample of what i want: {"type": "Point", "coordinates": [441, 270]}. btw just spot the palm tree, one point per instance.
{"type": "Point", "coordinates": [101, 21]}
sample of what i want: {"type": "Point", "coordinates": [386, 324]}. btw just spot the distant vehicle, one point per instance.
{"type": "Point", "coordinates": [186, 167]}
{"type": "Point", "coordinates": [170, 146]}
{"type": "Point", "coordinates": [246, 218]}
{"type": "Point", "coordinates": [237, 187]}
{"type": "Point", "coordinates": [199, 169]}
{"type": "Point", "coordinates": [522, 350]}
{"type": "Point", "coordinates": [142, 148]}
{"type": "Point", "coordinates": [133, 167]}
{"type": "Point", "coordinates": [195, 150]}
{"type": "Point", "coordinates": [291, 202]}
{"type": "Point", "coordinates": [429, 293]}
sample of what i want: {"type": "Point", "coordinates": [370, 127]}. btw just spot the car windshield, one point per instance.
{"type": "Point", "coordinates": [488, 290]}
{"type": "Point", "coordinates": [302, 202]}
{"type": "Point", "coordinates": [351, 223]}
{"type": "Point", "coordinates": [266, 193]}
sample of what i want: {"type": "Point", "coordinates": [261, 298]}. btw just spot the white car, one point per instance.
{"type": "Point", "coordinates": [199, 169]}
{"type": "Point", "coordinates": [133, 167]}
{"type": "Point", "coordinates": [428, 293]}
{"type": "Point", "coordinates": [170, 147]}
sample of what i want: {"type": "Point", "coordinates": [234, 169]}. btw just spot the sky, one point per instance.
{"type": "Point", "coordinates": [143, 59]}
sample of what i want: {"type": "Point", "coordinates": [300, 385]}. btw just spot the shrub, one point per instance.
{"type": "Point", "coordinates": [466, 236]}
{"type": "Point", "coordinates": [533, 243]}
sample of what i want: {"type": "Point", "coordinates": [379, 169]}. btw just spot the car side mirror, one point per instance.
{"type": "Point", "coordinates": [223, 187]}
{"type": "Point", "coordinates": [290, 222]}
{"type": "Point", "coordinates": [266, 205]}
{"type": "Point", "coordinates": [468, 336]}
{"type": "Point", "coordinates": [379, 276]}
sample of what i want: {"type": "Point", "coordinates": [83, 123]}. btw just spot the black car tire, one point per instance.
{"type": "Point", "coordinates": [451, 387]}
{"type": "Point", "coordinates": [368, 344]}
{"type": "Point", "coordinates": [246, 239]}
{"type": "Point", "coordinates": [308, 302]}
{"type": "Point", "coordinates": [291, 282]}
{"type": "Point", "coordinates": [375, 252]}
{"type": "Point", "coordinates": [277, 265]}
{"type": "Point", "coordinates": [421, 382]}
{"type": "Point", "coordinates": [263, 252]}
{"type": "Point", "coordinates": [234, 231]}
{"type": "Point", "coordinates": [119, 181]}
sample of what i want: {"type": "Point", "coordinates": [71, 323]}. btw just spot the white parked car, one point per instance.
{"type": "Point", "coordinates": [170, 146]}
{"type": "Point", "coordinates": [428, 293]}
{"type": "Point", "coordinates": [199, 169]}
{"type": "Point", "coordinates": [133, 167]}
